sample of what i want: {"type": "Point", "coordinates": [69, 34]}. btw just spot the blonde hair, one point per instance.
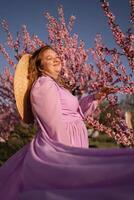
{"type": "Point", "coordinates": [36, 69]}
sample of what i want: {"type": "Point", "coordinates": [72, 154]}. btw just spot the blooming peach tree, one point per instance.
{"type": "Point", "coordinates": [87, 69]}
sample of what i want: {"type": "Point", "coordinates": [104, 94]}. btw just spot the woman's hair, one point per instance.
{"type": "Point", "coordinates": [36, 69]}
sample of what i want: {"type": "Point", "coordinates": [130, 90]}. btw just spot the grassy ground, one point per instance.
{"type": "Point", "coordinates": [102, 141]}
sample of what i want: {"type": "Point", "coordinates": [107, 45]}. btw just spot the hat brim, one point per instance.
{"type": "Point", "coordinates": [21, 92]}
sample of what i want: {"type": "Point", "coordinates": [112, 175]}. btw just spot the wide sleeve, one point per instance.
{"type": "Point", "coordinates": [46, 105]}
{"type": "Point", "coordinates": [88, 104]}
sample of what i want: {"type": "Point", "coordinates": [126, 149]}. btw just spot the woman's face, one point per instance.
{"type": "Point", "coordinates": [51, 63]}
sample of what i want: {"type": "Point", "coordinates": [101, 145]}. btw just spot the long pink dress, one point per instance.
{"type": "Point", "coordinates": [57, 164]}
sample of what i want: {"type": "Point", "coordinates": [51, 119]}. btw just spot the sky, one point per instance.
{"type": "Point", "coordinates": [90, 18]}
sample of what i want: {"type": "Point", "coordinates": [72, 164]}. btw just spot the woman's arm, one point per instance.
{"type": "Point", "coordinates": [88, 104]}
{"type": "Point", "coordinates": [47, 107]}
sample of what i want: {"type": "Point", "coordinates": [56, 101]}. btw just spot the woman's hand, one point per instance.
{"type": "Point", "coordinates": [104, 92]}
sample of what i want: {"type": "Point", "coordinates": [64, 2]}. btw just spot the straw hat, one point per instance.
{"type": "Point", "coordinates": [21, 93]}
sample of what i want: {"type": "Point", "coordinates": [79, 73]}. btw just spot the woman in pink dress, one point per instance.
{"type": "Point", "coordinates": [57, 164]}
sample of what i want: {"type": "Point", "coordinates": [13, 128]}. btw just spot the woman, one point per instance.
{"type": "Point", "coordinates": [57, 163]}
{"type": "Point", "coordinates": [63, 117]}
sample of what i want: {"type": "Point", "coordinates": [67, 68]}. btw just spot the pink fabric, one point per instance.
{"type": "Point", "coordinates": [57, 163]}
{"type": "Point", "coordinates": [62, 119]}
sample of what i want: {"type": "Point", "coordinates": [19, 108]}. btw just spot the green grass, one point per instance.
{"type": "Point", "coordinates": [102, 141]}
